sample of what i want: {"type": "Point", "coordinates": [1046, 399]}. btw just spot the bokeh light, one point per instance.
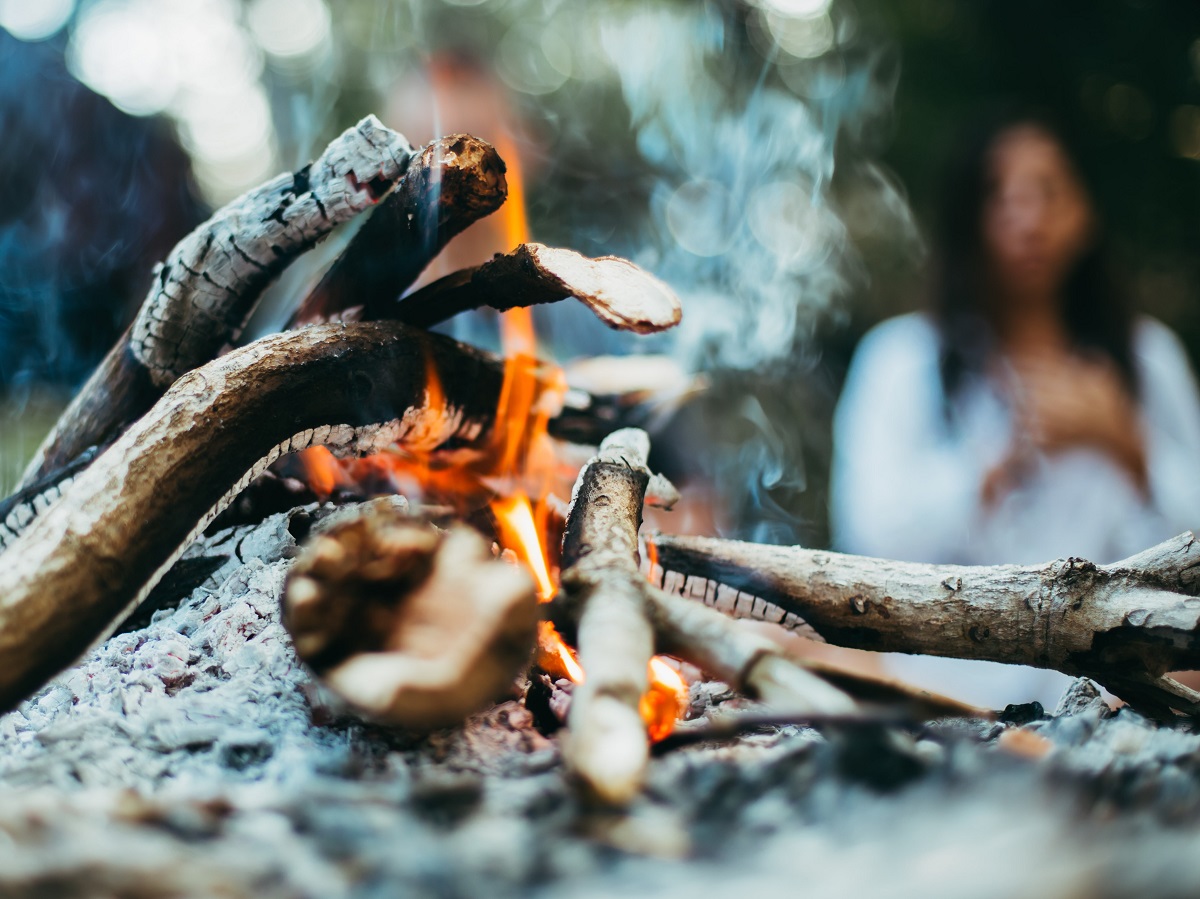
{"type": "Point", "coordinates": [35, 20]}
{"type": "Point", "coordinates": [192, 60]}
{"type": "Point", "coordinates": [289, 28]}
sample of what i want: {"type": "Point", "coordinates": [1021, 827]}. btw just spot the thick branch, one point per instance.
{"type": "Point", "coordinates": [1125, 624]}
{"type": "Point", "coordinates": [124, 520]}
{"type": "Point", "coordinates": [621, 294]}
{"type": "Point", "coordinates": [452, 183]}
{"type": "Point", "coordinates": [205, 291]}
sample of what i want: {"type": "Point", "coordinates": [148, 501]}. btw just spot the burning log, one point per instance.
{"type": "Point", "coordinates": [1124, 625]}
{"type": "Point", "coordinates": [621, 294]}
{"type": "Point", "coordinates": [618, 618]}
{"type": "Point", "coordinates": [207, 288]}
{"type": "Point", "coordinates": [452, 183]}
{"type": "Point", "coordinates": [99, 549]}
{"type": "Point", "coordinates": [411, 627]}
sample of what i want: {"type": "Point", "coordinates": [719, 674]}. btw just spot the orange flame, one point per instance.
{"type": "Point", "coordinates": [322, 471]}
{"type": "Point", "coordinates": [514, 515]}
{"type": "Point", "coordinates": [665, 701]}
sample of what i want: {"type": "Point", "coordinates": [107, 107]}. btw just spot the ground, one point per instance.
{"type": "Point", "coordinates": [191, 754]}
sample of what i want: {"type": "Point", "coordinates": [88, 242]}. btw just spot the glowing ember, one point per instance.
{"type": "Point", "coordinates": [665, 701]}
{"type": "Point", "coordinates": [322, 471]}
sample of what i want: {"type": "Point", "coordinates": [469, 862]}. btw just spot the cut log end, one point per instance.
{"type": "Point", "coordinates": [621, 294]}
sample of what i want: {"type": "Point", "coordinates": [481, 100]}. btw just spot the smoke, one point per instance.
{"type": "Point", "coordinates": [742, 219]}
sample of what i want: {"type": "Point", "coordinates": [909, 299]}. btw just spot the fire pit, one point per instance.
{"type": "Point", "coordinates": [474, 681]}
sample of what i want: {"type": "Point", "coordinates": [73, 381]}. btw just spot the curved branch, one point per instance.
{"type": "Point", "coordinates": [124, 520]}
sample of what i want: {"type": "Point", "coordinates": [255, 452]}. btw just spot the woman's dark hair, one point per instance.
{"type": "Point", "coordinates": [1097, 312]}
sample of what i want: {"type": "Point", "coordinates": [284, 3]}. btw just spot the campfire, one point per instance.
{"type": "Point", "coordinates": [517, 563]}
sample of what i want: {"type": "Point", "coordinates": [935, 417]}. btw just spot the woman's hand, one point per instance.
{"type": "Point", "coordinates": [1066, 401]}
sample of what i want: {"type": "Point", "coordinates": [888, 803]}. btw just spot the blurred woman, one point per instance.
{"type": "Point", "coordinates": [1029, 415]}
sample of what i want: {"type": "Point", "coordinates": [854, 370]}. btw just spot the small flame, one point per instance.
{"type": "Point", "coordinates": [651, 558]}
{"type": "Point", "coordinates": [665, 701]}
{"type": "Point", "coordinates": [514, 515]}
{"type": "Point", "coordinates": [322, 471]}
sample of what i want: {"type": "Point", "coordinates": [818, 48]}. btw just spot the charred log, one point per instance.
{"type": "Point", "coordinates": [621, 294]}
{"type": "Point", "coordinates": [451, 184]}
{"type": "Point", "coordinates": [205, 291]}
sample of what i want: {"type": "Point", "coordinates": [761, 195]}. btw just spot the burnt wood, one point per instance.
{"type": "Point", "coordinates": [451, 184]}
{"type": "Point", "coordinates": [621, 294]}
{"type": "Point", "coordinates": [90, 558]}
{"type": "Point", "coordinates": [208, 286]}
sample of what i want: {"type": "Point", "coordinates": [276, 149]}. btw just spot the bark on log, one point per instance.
{"type": "Point", "coordinates": [205, 291]}
{"type": "Point", "coordinates": [100, 548]}
{"type": "Point", "coordinates": [451, 184]}
{"type": "Point", "coordinates": [621, 294]}
{"type": "Point", "coordinates": [410, 626]}
{"type": "Point", "coordinates": [1124, 625]}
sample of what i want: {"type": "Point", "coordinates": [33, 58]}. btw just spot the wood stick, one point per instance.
{"type": "Point", "coordinates": [621, 294]}
{"type": "Point", "coordinates": [207, 288]}
{"type": "Point", "coordinates": [618, 621]}
{"type": "Point", "coordinates": [748, 662]}
{"type": "Point", "coordinates": [411, 626]}
{"type": "Point", "coordinates": [98, 550]}
{"type": "Point", "coordinates": [452, 183]}
{"type": "Point", "coordinates": [1125, 625]}
{"type": "Point", "coordinates": [602, 590]}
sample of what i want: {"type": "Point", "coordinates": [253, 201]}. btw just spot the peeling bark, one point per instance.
{"type": "Point", "coordinates": [619, 293]}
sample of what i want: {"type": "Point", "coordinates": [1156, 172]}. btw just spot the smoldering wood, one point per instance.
{"type": "Point", "coordinates": [208, 286]}
{"type": "Point", "coordinates": [748, 662]}
{"type": "Point", "coordinates": [409, 625]}
{"type": "Point", "coordinates": [260, 779]}
{"type": "Point", "coordinates": [452, 183]}
{"type": "Point", "coordinates": [621, 294]}
{"type": "Point", "coordinates": [99, 549]}
{"type": "Point", "coordinates": [1124, 625]}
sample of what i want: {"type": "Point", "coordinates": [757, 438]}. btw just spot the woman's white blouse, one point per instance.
{"type": "Point", "coordinates": [906, 486]}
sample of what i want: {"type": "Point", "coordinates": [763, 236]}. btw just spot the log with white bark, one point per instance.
{"type": "Point", "coordinates": [619, 293]}
{"type": "Point", "coordinates": [207, 288]}
{"type": "Point", "coordinates": [1125, 625]}
{"type": "Point", "coordinates": [90, 558]}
